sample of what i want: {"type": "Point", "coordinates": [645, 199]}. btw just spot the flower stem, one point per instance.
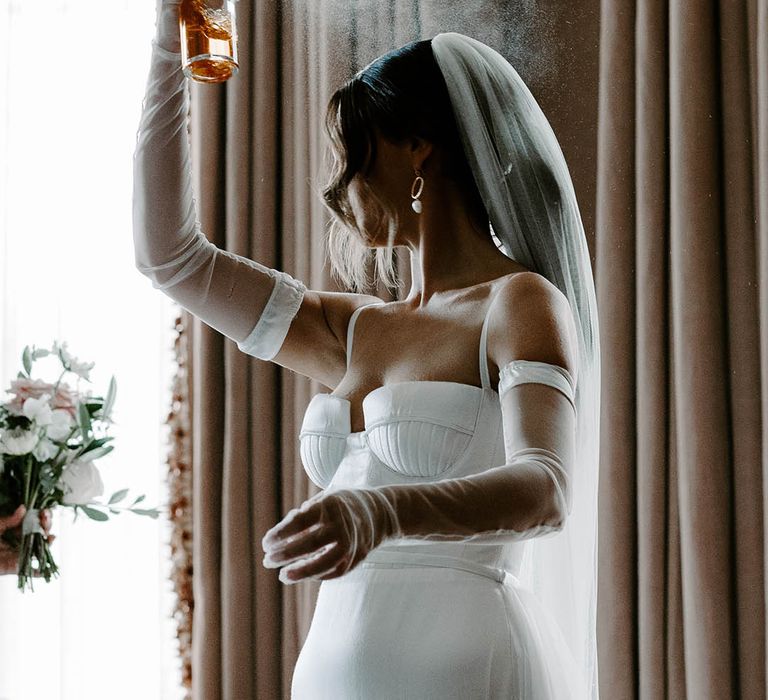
{"type": "Point", "coordinates": [66, 440]}
{"type": "Point", "coordinates": [58, 381]}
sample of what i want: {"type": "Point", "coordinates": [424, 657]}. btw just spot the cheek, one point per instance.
{"type": "Point", "coordinates": [373, 218]}
{"type": "Point", "coordinates": [356, 198]}
{"type": "Point", "coordinates": [365, 208]}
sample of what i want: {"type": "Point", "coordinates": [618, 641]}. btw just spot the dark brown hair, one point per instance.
{"type": "Point", "coordinates": [400, 95]}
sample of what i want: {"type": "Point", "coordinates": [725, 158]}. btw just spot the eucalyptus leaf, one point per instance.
{"type": "Point", "coordinates": [118, 496]}
{"type": "Point", "coordinates": [109, 402]}
{"type": "Point", "coordinates": [90, 455]}
{"type": "Point", "coordinates": [150, 513]}
{"type": "Point", "coordinates": [138, 500]}
{"type": "Point", "coordinates": [26, 360]}
{"type": "Point", "coordinates": [84, 421]}
{"type": "Point", "coordinates": [94, 514]}
{"type": "Point", "coordinates": [116, 512]}
{"type": "Point", "coordinates": [93, 444]}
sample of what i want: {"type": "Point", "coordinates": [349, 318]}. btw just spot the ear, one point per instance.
{"type": "Point", "coordinates": [420, 152]}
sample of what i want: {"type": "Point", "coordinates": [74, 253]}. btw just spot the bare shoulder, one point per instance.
{"type": "Point", "coordinates": [315, 345]}
{"type": "Point", "coordinates": [531, 319]}
{"type": "Point", "coordinates": [339, 306]}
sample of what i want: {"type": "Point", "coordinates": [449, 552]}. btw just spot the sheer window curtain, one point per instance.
{"type": "Point", "coordinates": [72, 77]}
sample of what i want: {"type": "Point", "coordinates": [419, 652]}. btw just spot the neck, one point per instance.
{"type": "Point", "coordinates": [449, 252]}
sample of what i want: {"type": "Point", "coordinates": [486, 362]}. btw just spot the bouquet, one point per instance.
{"type": "Point", "coordinates": [51, 435]}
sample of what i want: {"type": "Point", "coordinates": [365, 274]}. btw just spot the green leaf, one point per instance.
{"type": "Point", "coordinates": [85, 421]}
{"type": "Point", "coordinates": [116, 512]}
{"type": "Point", "coordinates": [118, 496]}
{"type": "Point", "coordinates": [96, 453]}
{"type": "Point", "coordinates": [109, 402]}
{"type": "Point", "coordinates": [93, 444]}
{"type": "Point", "coordinates": [149, 513]}
{"type": "Point", "coordinates": [48, 481]}
{"type": "Point", "coordinates": [26, 360]}
{"type": "Point", "coordinates": [138, 500]}
{"type": "Point", "coordinates": [94, 514]}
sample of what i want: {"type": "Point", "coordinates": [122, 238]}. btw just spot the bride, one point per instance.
{"type": "Point", "coordinates": [455, 533]}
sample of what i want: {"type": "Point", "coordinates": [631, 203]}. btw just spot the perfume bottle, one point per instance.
{"type": "Point", "coordinates": [208, 40]}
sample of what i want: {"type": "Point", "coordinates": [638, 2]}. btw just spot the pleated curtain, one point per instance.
{"type": "Point", "coordinates": [682, 265]}
{"type": "Point", "coordinates": [662, 114]}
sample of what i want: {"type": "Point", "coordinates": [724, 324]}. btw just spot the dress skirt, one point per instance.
{"type": "Point", "coordinates": [414, 626]}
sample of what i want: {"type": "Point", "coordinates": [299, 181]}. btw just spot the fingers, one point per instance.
{"type": "Point", "coordinates": [11, 521]}
{"type": "Point", "coordinates": [323, 565]}
{"type": "Point", "coordinates": [296, 521]}
{"type": "Point", "coordinates": [315, 538]}
{"type": "Point", "coordinates": [46, 519]}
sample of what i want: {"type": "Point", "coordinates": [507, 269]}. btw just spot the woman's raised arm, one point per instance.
{"type": "Point", "coordinates": [268, 313]}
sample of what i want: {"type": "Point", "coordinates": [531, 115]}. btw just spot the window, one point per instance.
{"type": "Point", "coordinates": [72, 78]}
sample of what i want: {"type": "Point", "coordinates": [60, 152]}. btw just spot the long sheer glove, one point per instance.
{"type": "Point", "coordinates": [528, 496]}
{"type": "Point", "coordinates": [248, 302]}
{"type": "Point", "coordinates": [339, 528]}
{"type": "Point", "coordinates": [167, 34]}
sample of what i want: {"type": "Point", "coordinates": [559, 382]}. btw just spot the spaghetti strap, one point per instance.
{"type": "Point", "coordinates": [485, 377]}
{"type": "Point", "coordinates": [351, 326]}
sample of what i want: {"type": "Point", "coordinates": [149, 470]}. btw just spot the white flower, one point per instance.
{"type": "Point", "coordinates": [61, 424]}
{"type": "Point", "coordinates": [81, 369]}
{"type": "Point", "coordinates": [18, 441]}
{"type": "Point", "coordinates": [45, 450]}
{"type": "Point", "coordinates": [80, 482]}
{"type": "Point", "coordinates": [72, 363]}
{"type": "Point", "coordinates": [38, 410]}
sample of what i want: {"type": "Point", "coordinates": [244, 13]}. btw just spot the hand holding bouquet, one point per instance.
{"type": "Point", "coordinates": [50, 436]}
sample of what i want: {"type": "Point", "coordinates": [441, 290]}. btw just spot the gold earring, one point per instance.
{"type": "Point", "coordinates": [418, 182]}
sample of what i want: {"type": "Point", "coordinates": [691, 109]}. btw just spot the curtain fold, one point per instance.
{"type": "Point", "coordinates": [680, 265]}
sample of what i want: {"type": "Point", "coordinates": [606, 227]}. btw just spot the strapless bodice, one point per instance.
{"type": "Point", "coordinates": [417, 430]}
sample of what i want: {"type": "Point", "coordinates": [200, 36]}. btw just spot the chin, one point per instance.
{"type": "Point", "coordinates": [372, 240]}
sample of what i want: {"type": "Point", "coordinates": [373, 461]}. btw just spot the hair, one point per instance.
{"type": "Point", "coordinates": [400, 95]}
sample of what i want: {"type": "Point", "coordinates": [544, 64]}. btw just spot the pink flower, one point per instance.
{"type": "Point", "coordinates": [25, 388]}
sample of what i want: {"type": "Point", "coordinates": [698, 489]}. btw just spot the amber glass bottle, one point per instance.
{"type": "Point", "coordinates": [208, 39]}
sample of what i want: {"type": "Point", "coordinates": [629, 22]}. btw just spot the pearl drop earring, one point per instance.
{"type": "Point", "coordinates": [418, 182]}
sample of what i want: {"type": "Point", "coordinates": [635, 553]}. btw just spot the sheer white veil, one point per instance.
{"type": "Point", "coordinates": [525, 184]}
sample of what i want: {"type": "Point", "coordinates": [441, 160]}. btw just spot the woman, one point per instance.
{"type": "Point", "coordinates": [455, 535]}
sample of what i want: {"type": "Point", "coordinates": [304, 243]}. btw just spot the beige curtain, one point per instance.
{"type": "Point", "coordinates": [682, 221]}
{"type": "Point", "coordinates": [680, 185]}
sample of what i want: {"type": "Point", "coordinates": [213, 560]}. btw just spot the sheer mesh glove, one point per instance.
{"type": "Point", "coordinates": [248, 302]}
{"type": "Point", "coordinates": [167, 34]}
{"type": "Point", "coordinates": [528, 496]}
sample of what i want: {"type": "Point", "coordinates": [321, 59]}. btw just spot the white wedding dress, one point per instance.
{"type": "Point", "coordinates": [426, 621]}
